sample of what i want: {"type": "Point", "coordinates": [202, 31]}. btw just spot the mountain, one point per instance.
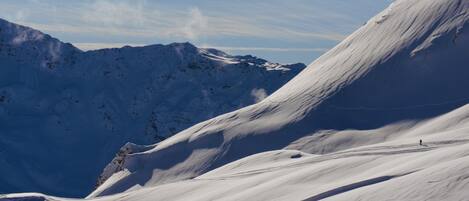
{"type": "Point", "coordinates": [64, 113]}
{"type": "Point", "coordinates": [367, 102]}
{"type": "Point", "coordinates": [347, 127]}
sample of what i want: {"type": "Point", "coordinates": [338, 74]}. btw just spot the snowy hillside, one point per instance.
{"type": "Point", "coordinates": [404, 66]}
{"type": "Point", "coordinates": [64, 113]}
{"type": "Point", "coordinates": [346, 128]}
{"type": "Point", "coordinates": [396, 168]}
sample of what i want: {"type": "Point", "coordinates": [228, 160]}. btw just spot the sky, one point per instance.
{"type": "Point", "coordinates": [277, 30]}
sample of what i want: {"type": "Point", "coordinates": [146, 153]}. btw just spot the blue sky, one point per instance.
{"type": "Point", "coordinates": [277, 30]}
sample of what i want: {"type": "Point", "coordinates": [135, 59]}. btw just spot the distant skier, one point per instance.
{"type": "Point", "coordinates": [421, 142]}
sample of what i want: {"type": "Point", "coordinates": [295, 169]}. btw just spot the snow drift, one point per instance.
{"type": "Point", "coordinates": [404, 66]}
{"type": "Point", "coordinates": [64, 113]}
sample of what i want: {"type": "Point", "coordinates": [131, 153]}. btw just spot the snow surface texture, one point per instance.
{"type": "Point", "coordinates": [64, 113]}
{"type": "Point", "coordinates": [404, 66]}
{"type": "Point", "coordinates": [346, 128]}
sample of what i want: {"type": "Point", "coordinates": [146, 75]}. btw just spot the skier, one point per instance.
{"type": "Point", "coordinates": [421, 142]}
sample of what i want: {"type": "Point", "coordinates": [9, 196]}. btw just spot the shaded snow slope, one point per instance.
{"type": "Point", "coordinates": [407, 64]}
{"type": "Point", "coordinates": [64, 113]}
{"type": "Point", "coordinates": [396, 168]}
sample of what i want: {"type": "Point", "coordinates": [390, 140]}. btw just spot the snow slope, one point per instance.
{"type": "Point", "coordinates": [394, 169]}
{"type": "Point", "coordinates": [404, 66]}
{"type": "Point", "coordinates": [64, 113]}
{"type": "Point", "coordinates": [397, 168]}
{"type": "Point", "coordinates": [346, 128]}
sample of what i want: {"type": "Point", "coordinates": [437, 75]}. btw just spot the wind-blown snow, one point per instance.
{"type": "Point", "coordinates": [64, 113]}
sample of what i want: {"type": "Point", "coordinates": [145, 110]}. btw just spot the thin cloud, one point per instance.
{"type": "Point", "coordinates": [325, 36]}
{"type": "Point", "coordinates": [196, 23]}
{"type": "Point", "coordinates": [140, 19]}
{"type": "Point", "coordinates": [272, 49]}
{"type": "Point", "coordinates": [114, 13]}
{"type": "Point", "coordinates": [96, 46]}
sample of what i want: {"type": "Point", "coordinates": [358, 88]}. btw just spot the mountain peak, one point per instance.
{"type": "Point", "coordinates": [15, 34]}
{"type": "Point", "coordinates": [23, 42]}
{"type": "Point", "coordinates": [182, 45]}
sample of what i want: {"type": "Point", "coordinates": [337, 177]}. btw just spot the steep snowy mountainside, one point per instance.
{"type": "Point", "coordinates": [64, 113]}
{"type": "Point", "coordinates": [407, 64]}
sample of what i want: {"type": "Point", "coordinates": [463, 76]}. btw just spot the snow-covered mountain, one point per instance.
{"type": "Point", "coordinates": [367, 102]}
{"type": "Point", "coordinates": [346, 128]}
{"type": "Point", "coordinates": [64, 113]}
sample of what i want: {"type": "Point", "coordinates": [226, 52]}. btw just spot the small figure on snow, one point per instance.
{"type": "Point", "coordinates": [421, 142]}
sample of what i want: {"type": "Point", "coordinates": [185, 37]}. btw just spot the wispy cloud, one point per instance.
{"type": "Point", "coordinates": [142, 19]}
{"type": "Point", "coordinates": [323, 36]}
{"type": "Point", "coordinates": [196, 23]}
{"type": "Point", "coordinates": [272, 49]}
{"type": "Point", "coordinates": [95, 46]}
{"type": "Point", "coordinates": [115, 13]}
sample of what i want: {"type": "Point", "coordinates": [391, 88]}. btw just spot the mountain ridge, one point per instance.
{"type": "Point", "coordinates": [76, 108]}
